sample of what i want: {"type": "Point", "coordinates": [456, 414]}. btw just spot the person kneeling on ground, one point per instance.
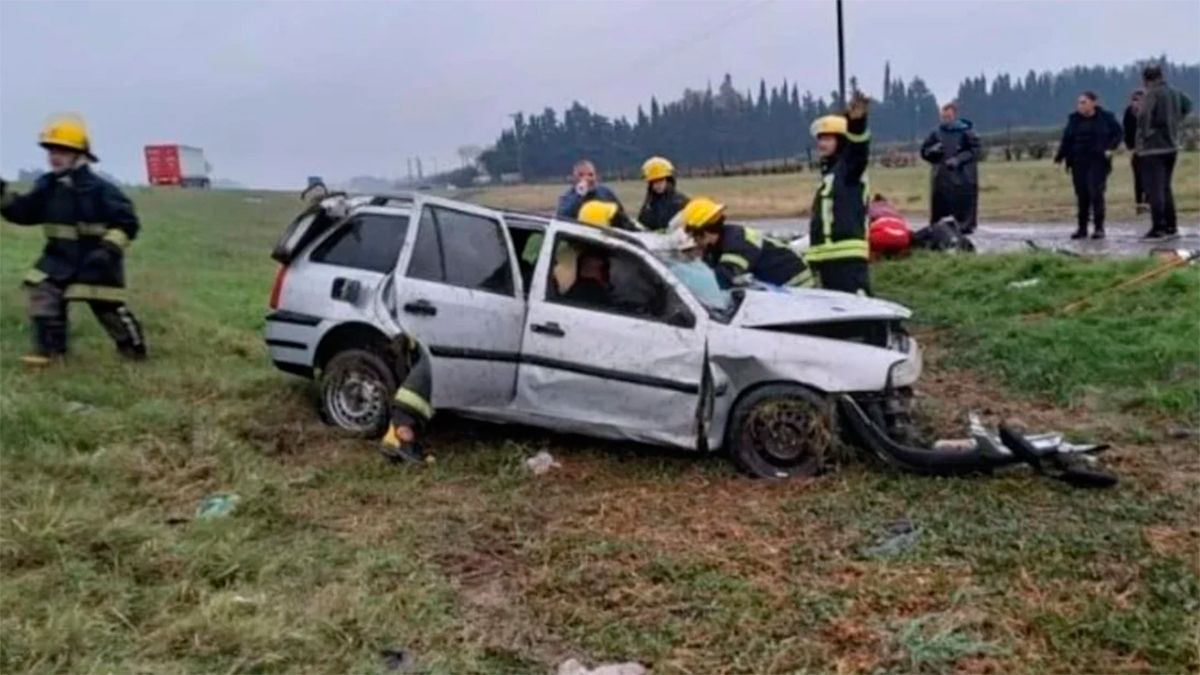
{"type": "Point", "coordinates": [837, 231]}
{"type": "Point", "coordinates": [88, 224]}
{"type": "Point", "coordinates": [738, 253]}
{"type": "Point", "coordinates": [412, 409]}
{"type": "Point", "coordinates": [663, 201]}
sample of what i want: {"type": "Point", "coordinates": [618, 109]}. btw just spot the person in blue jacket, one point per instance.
{"type": "Point", "coordinates": [585, 187]}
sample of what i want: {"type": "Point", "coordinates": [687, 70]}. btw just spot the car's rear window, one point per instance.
{"type": "Point", "coordinates": [369, 241]}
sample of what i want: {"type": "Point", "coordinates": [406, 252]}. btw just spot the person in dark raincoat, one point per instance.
{"type": "Point", "coordinates": [953, 151]}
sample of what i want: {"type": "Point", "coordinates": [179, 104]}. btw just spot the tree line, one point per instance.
{"type": "Point", "coordinates": [729, 126]}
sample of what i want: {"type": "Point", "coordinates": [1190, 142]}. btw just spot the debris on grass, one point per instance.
{"type": "Point", "coordinates": [78, 408]}
{"type": "Point", "coordinates": [899, 536]}
{"type": "Point", "coordinates": [542, 463]}
{"type": "Point", "coordinates": [217, 505]}
{"type": "Point", "coordinates": [574, 667]}
{"type": "Point", "coordinates": [396, 658]}
{"type": "Point", "coordinates": [1025, 283]}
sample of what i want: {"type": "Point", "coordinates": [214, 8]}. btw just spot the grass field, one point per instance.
{"type": "Point", "coordinates": [471, 565]}
{"type": "Point", "coordinates": [1010, 191]}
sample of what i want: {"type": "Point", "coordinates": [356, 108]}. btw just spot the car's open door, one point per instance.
{"type": "Point", "coordinates": [628, 362]}
{"type": "Point", "coordinates": [459, 292]}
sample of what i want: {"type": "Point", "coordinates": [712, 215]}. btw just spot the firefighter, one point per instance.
{"type": "Point", "coordinates": [88, 224]}
{"type": "Point", "coordinates": [737, 252]}
{"type": "Point", "coordinates": [838, 249]}
{"type": "Point", "coordinates": [605, 214]}
{"type": "Point", "coordinates": [663, 201]}
{"type": "Point", "coordinates": [412, 409]}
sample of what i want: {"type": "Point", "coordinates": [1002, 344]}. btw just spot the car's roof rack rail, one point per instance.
{"type": "Point", "coordinates": [385, 198]}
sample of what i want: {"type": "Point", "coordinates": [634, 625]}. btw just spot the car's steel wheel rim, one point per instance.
{"type": "Point", "coordinates": [357, 399]}
{"type": "Point", "coordinates": [789, 432]}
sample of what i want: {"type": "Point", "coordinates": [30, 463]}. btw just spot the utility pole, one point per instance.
{"type": "Point", "coordinates": [841, 57]}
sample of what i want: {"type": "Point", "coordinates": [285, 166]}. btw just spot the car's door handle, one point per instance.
{"type": "Point", "coordinates": [421, 307]}
{"type": "Point", "coordinates": [550, 328]}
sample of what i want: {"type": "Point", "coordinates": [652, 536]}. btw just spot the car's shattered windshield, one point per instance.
{"type": "Point", "coordinates": [701, 281]}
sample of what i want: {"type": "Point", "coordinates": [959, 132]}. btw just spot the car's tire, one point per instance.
{"type": "Point", "coordinates": [356, 389]}
{"type": "Point", "coordinates": [782, 431]}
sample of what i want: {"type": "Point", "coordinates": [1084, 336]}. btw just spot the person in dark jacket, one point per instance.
{"type": "Point", "coordinates": [738, 254]}
{"type": "Point", "coordinates": [838, 249]}
{"type": "Point", "coordinates": [585, 188]}
{"type": "Point", "coordinates": [1159, 127]}
{"type": "Point", "coordinates": [1088, 141]}
{"type": "Point", "coordinates": [1129, 126]}
{"type": "Point", "coordinates": [663, 201]}
{"type": "Point", "coordinates": [88, 224]}
{"type": "Point", "coordinates": [953, 151]}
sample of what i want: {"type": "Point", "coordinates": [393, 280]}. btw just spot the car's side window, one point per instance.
{"type": "Point", "coordinates": [369, 241]}
{"type": "Point", "coordinates": [594, 276]}
{"type": "Point", "coordinates": [461, 249]}
{"type": "Point", "coordinates": [427, 261]}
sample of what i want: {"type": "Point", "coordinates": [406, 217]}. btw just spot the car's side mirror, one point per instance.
{"type": "Point", "coordinates": [346, 290]}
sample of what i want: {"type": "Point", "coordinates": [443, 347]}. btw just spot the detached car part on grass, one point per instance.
{"type": "Point", "coordinates": [983, 452]}
{"type": "Point", "coordinates": [674, 361]}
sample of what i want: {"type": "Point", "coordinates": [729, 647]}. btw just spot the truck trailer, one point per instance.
{"type": "Point", "coordinates": [182, 165]}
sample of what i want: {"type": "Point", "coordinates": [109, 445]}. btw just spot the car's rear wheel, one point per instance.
{"type": "Point", "coordinates": [356, 389]}
{"type": "Point", "coordinates": [782, 431]}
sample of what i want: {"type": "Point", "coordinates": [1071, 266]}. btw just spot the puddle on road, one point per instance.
{"type": "Point", "coordinates": [1123, 238]}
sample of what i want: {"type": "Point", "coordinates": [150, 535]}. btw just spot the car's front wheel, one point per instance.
{"type": "Point", "coordinates": [782, 431]}
{"type": "Point", "coordinates": [356, 389]}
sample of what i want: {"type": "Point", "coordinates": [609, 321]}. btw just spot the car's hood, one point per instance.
{"type": "Point", "coordinates": [776, 308]}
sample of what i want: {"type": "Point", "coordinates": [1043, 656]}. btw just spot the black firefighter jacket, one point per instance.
{"type": "Point", "coordinates": [88, 224]}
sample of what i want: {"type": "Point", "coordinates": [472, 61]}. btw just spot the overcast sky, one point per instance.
{"type": "Point", "coordinates": [275, 91]}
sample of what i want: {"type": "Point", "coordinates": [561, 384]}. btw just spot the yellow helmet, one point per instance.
{"type": "Point", "coordinates": [657, 168]}
{"type": "Point", "coordinates": [597, 213]}
{"type": "Point", "coordinates": [66, 131]}
{"type": "Point", "coordinates": [701, 212]}
{"type": "Point", "coordinates": [829, 124]}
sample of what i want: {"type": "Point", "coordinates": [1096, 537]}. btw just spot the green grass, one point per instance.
{"type": "Point", "coordinates": [626, 552]}
{"type": "Point", "coordinates": [1034, 191]}
{"type": "Point", "coordinates": [1133, 349]}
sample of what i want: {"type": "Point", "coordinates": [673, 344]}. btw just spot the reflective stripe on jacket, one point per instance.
{"type": "Point", "coordinates": [744, 252]}
{"type": "Point", "coordinates": [80, 214]}
{"type": "Point", "coordinates": [838, 227]}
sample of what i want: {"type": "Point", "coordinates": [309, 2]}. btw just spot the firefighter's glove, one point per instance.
{"type": "Point", "coordinates": [952, 163]}
{"type": "Point", "coordinates": [102, 259]}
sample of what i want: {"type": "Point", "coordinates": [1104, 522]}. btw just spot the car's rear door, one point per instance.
{"type": "Point", "coordinates": [461, 296]}
{"type": "Point", "coordinates": [629, 366]}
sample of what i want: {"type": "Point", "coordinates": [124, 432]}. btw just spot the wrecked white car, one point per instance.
{"type": "Point", "coordinates": [521, 331]}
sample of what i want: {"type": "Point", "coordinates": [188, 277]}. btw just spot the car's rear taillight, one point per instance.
{"type": "Point", "coordinates": [277, 287]}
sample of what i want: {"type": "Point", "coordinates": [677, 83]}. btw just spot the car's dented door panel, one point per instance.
{"type": "Point", "coordinates": [605, 374]}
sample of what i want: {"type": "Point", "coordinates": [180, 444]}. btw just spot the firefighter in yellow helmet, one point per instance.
{"type": "Point", "coordinates": [838, 249]}
{"type": "Point", "coordinates": [604, 214]}
{"type": "Point", "coordinates": [663, 200]}
{"type": "Point", "coordinates": [88, 224]}
{"type": "Point", "coordinates": [741, 254]}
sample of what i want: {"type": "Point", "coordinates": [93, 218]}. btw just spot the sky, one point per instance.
{"type": "Point", "coordinates": [276, 91]}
